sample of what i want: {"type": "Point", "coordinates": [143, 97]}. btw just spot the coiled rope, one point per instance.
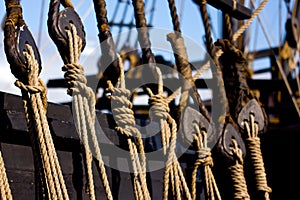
{"type": "Point", "coordinates": [253, 143]}
{"type": "Point", "coordinates": [237, 173]}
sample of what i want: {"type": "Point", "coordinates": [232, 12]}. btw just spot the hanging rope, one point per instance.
{"type": "Point", "coordinates": [37, 90]}
{"type": "Point", "coordinates": [126, 126]}
{"type": "Point", "coordinates": [205, 160]}
{"type": "Point", "coordinates": [173, 174]}
{"type": "Point", "coordinates": [36, 105]}
{"type": "Point", "coordinates": [5, 191]}
{"type": "Point", "coordinates": [84, 104]}
{"type": "Point", "coordinates": [253, 143]}
{"type": "Point", "coordinates": [227, 21]}
{"type": "Point", "coordinates": [70, 49]}
{"type": "Point", "coordinates": [237, 173]}
{"type": "Point", "coordinates": [183, 64]}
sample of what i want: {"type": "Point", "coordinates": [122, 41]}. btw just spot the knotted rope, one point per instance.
{"type": "Point", "coordinates": [84, 106]}
{"type": "Point", "coordinates": [205, 160]}
{"type": "Point", "coordinates": [5, 191]}
{"type": "Point", "coordinates": [253, 143]}
{"type": "Point", "coordinates": [124, 117]}
{"type": "Point", "coordinates": [37, 90]}
{"type": "Point", "coordinates": [237, 173]}
{"type": "Point", "coordinates": [173, 172]}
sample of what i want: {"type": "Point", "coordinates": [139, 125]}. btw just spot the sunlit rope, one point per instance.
{"type": "Point", "coordinates": [84, 104]}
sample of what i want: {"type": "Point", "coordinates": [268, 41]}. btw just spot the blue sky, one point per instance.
{"type": "Point", "coordinates": [36, 18]}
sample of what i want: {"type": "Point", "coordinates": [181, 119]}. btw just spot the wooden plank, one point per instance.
{"type": "Point", "coordinates": [241, 12]}
{"type": "Point", "coordinates": [263, 53]}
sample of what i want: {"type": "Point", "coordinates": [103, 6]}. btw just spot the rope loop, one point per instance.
{"type": "Point", "coordinates": [32, 89]}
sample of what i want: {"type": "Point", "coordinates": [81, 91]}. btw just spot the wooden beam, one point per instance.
{"type": "Point", "coordinates": [240, 12]}
{"type": "Point", "coordinates": [263, 53]}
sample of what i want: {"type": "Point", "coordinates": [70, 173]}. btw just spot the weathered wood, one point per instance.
{"type": "Point", "coordinates": [240, 12]}
{"type": "Point", "coordinates": [263, 53]}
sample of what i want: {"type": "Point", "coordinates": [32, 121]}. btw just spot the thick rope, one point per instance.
{"type": "Point", "coordinates": [227, 21]}
{"type": "Point", "coordinates": [253, 143]}
{"type": "Point", "coordinates": [160, 112]}
{"type": "Point", "coordinates": [84, 103]}
{"type": "Point", "coordinates": [237, 174]}
{"type": "Point", "coordinates": [37, 90]}
{"type": "Point", "coordinates": [5, 191]}
{"type": "Point", "coordinates": [124, 117]}
{"type": "Point", "coordinates": [205, 160]}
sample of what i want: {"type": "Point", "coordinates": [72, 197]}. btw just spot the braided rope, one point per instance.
{"type": "Point", "coordinates": [253, 143]}
{"type": "Point", "coordinates": [241, 30]}
{"type": "Point", "coordinates": [84, 104]}
{"type": "Point", "coordinates": [37, 90]}
{"type": "Point", "coordinates": [126, 125]}
{"type": "Point", "coordinates": [205, 160]}
{"type": "Point", "coordinates": [5, 191]}
{"type": "Point", "coordinates": [160, 112]}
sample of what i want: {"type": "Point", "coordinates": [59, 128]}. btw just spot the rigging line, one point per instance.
{"type": "Point", "coordinates": [137, 40]}
{"type": "Point", "coordinates": [287, 84]}
{"type": "Point", "coordinates": [121, 25]}
{"type": "Point", "coordinates": [280, 22]}
{"type": "Point", "coordinates": [115, 11]}
{"type": "Point", "coordinates": [41, 23]}
{"type": "Point", "coordinates": [181, 9]}
{"type": "Point", "coordinates": [87, 13]}
{"type": "Point", "coordinates": [79, 4]}
{"type": "Point", "coordinates": [295, 8]}
{"type": "Point", "coordinates": [152, 9]}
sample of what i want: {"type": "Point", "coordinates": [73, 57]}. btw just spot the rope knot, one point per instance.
{"type": "Point", "coordinates": [122, 112]}
{"type": "Point", "coordinates": [204, 156]}
{"type": "Point", "coordinates": [32, 89]}
{"type": "Point", "coordinates": [75, 78]}
{"type": "Point", "coordinates": [159, 107]}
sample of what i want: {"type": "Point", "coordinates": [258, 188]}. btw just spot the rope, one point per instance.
{"type": "Point", "coordinates": [184, 68]}
{"type": "Point", "coordinates": [36, 88]}
{"type": "Point", "coordinates": [237, 173]}
{"type": "Point", "coordinates": [84, 104]}
{"type": "Point", "coordinates": [240, 31]}
{"type": "Point", "coordinates": [126, 126]}
{"type": "Point", "coordinates": [5, 191]}
{"type": "Point", "coordinates": [227, 21]}
{"type": "Point", "coordinates": [205, 160]}
{"type": "Point", "coordinates": [253, 144]}
{"type": "Point", "coordinates": [206, 23]}
{"type": "Point", "coordinates": [160, 112]}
